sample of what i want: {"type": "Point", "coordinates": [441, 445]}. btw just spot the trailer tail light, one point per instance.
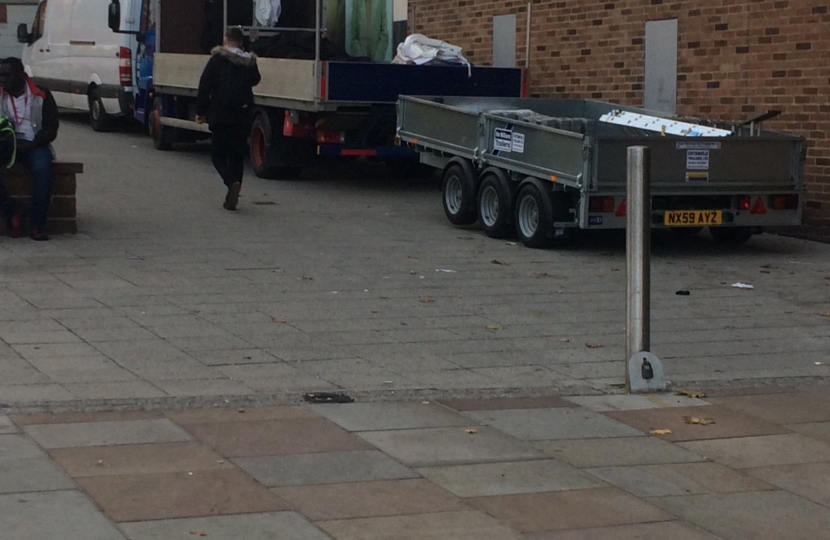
{"type": "Point", "coordinates": [744, 203]}
{"type": "Point", "coordinates": [759, 207]}
{"type": "Point", "coordinates": [331, 137]}
{"type": "Point", "coordinates": [601, 205]}
{"type": "Point", "coordinates": [125, 66]}
{"type": "Point", "coordinates": [784, 202]}
{"type": "Point", "coordinates": [622, 209]}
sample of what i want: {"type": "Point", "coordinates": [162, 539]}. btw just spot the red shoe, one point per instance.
{"type": "Point", "coordinates": [16, 226]}
{"type": "Point", "coordinates": [38, 235]}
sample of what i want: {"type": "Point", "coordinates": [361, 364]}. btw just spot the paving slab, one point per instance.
{"type": "Point", "coordinates": [818, 430]}
{"type": "Point", "coordinates": [449, 446]}
{"type": "Point", "coordinates": [141, 497]}
{"type": "Point", "coordinates": [386, 416]}
{"type": "Point", "coordinates": [762, 515]}
{"type": "Point", "coordinates": [34, 393]}
{"type": "Point", "coordinates": [510, 478]}
{"type": "Point", "coordinates": [369, 499]}
{"type": "Point", "coordinates": [239, 414]}
{"type": "Point", "coordinates": [465, 525]}
{"type": "Point", "coordinates": [809, 480]}
{"type": "Point", "coordinates": [137, 459]}
{"type": "Point", "coordinates": [497, 404]}
{"type": "Point", "coordinates": [788, 408]}
{"type": "Point", "coordinates": [552, 424]}
{"type": "Point", "coordinates": [584, 508]}
{"type": "Point", "coordinates": [678, 479]}
{"type": "Point", "coordinates": [67, 515]}
{"type": "Point", "coordinates": [727, 423]}
{"type": "Point", "coordinates": [276, 437]}
{"type": "Point", "coordinates": [24, 468]}
{"type": "Point", "coordinates": [34, 419]}
{"type": "Point", "coordinates": [747, 452]}
{"type": "Point", "coordinates": [674, 530]}
{"type": "Point", "coordinates": [324, 468]}
{"type": "Point", "coordinates": [106, 433]}
{"type": "Point", "coordinates": [264, 526]}
{"type": "Point", "coordinates": [115, 390]}
{"type": "Point", "coordinates": [610, 452]}
{"type": "Point", "coordinates": [633, 402]}
{"type": "Point", "coordinates": [7, 426]}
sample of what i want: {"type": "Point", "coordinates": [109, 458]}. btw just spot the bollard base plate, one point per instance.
{"type": "Point", "coordinates": [645, 373]}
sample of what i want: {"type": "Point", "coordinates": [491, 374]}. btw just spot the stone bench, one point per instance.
{"type": "Point", "coordinates": [62, 210]}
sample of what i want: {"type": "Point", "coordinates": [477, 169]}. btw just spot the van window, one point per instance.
{"type": "Point", "coordinates": [40, 22]}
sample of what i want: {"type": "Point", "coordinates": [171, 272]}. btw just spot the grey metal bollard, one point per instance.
{"type": "Point", "coordinates": [644, 370]}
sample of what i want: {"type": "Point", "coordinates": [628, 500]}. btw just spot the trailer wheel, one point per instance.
{"type": "Point", "coordinates": [98, 117]}
{"type": "Point", "coordinates": [731, 236]}
{"type": "Point", "coordinates": [534, 216]}
{"type": "Point", "coordinates": [162, 135]}
{"type": "Point", "coordinates": [495, 206]}
{"type": "Point", "coordinates": [269, 154]}
{"type": "Point", "coordinates": [459, 195]}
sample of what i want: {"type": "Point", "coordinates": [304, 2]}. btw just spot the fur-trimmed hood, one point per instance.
{"type": "Point", "coordinates": [241, 59]}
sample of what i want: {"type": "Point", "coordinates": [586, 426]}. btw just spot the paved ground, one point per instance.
{"type": "Point", "coordinates": [755, 467]}
{"type": "Point", "coordinates": [353, 280]}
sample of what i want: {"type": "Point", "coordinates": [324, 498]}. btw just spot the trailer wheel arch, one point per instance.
{"type": "Point", "coordinates": [459, 188]}
{"type": "Point", "coordinates": [496, 203]}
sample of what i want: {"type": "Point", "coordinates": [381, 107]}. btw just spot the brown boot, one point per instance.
{"type": "Point", "coordinates": [232, 198]}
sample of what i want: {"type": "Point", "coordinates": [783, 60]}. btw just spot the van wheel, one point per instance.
{"type": "Point", "coordinates": [162, 135]}
{"type": "Point", "coordinates": [269, 154]}
{"type": "Point", "coordinates": [534, 219]}
{"type": "Point", "coordinates": [98, 117]}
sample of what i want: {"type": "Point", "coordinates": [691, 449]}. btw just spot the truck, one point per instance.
{"type": "Point", "coordinates": [311, 104]}
{"type": "Point", "coordinates": [545, 168]}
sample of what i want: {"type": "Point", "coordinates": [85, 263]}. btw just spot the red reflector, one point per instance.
{"type": "Point", "coordinates": [759, 207]}
{"type": "Point", "coordinates": [125, 66]}
{"type": "Point", "coordinates": [622, 210]}
{"type": "Point", "coordinates": [744, 203]}
{"type": "Point", "coordinates": [330, 137]}
{"type": "Point", "coordinates": [784, 202]}
{"type": "Point", "coordinates": [358, 152]}
{"type": "Point", "coordinates": [601, 204]}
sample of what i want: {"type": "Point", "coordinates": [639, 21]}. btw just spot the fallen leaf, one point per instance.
{"type": "Point", "coordinates": [198, 533]}
{"type": "Point", "coordinates": [694, 420]}
{"type": "Point", "coordinates": [661, 432]}
{"type": "Point", "coordinates": [501, 263]}
{"type": "Point", "coordinates": [426, 301]}
{"type": "Point", "coordinates": [470, 431]}
{"type": "Point", "coordinates": [594, 345]}
{"type": "Point", "coordinates": [494, 327]}
{"type": "Point", "coordinates": [615, 269]}
{"type": "Point", "coordinates": [308, 278]}
{"type": "Point", "coordinates": [690, 393]}
{"type": "Point", "coordinates": [825, 313]}
{"type": "Point", "coordinates": [375, 311]}
{"type": "Point", "coordinates": [564, 340]}
{"type": "Point", "coordinates": [412, 272]}
{"type": "Point", "coordinates": [278, 320]}
{"type": "Point", "coordinates": [766, 266]}
{"type": "Point", "coordinates": [766, 272]}
{"type": "Point", "coordinates": [541, 275]}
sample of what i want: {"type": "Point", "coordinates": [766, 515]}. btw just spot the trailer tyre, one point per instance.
{"type": "Point", "coordinates": [534, 216]}
{"type": "Point", "coordinates": [731, 236]}
{"type": "Point", "coordinates": [269, 154]}
{"type": "Point", "coordinates": [495, 206]}
{"type": "Point", "coordinates": [98, 117]}
{"type": "Point", "coordinates": [459, 194]}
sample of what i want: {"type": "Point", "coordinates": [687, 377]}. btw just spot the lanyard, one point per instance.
{"type": "Point", "coordinates": [17, 118]}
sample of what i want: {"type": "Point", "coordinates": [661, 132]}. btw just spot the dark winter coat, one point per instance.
{"type": "Point", "coordinates": [226, 88]}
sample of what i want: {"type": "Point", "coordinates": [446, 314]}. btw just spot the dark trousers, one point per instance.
{"type": "Point", "coordinates": [227, 150]}
{"type": "Point", "coordinates": [39, 163]}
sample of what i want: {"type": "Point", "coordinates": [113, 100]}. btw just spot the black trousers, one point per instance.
{"type": "Point", "coordinates": [227, 150]}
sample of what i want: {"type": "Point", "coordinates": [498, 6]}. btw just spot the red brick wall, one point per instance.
{"type": "Point", "coordinates": [735, 58]}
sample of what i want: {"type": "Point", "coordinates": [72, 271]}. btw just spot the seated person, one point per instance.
{"type": "Point", "coordinates": [35, 116]}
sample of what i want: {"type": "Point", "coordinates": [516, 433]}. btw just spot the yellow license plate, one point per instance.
{"type": "Point", "coordinates": [692, 218]}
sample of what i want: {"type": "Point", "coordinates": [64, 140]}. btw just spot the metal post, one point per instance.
{"type": "Point", "coordinates": [644, 371]}
{"type": "Point", "coordinates": [527, 37]}
{"type": "Point", "coordinates": [318, 24]}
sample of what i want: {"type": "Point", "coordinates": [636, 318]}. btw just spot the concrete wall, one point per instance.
{"type": "Point", "coordinates": [736, 59]}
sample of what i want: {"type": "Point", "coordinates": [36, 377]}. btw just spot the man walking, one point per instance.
{"type": "Point", "coordinates": [35, 116]}
{"type": "Point", "coordinates": [225, 101]}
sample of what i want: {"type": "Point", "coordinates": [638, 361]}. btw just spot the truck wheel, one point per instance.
{"type": "Point", "coordinates": [459, 195]}
{"type": "Point", "coordinates": [495, 206]}
{"type": "Point", "coordinates": [731, 236]}
{"type": "Point", "coordinates": [268, 153]}
{"type": "Point", "coordinates": [98, 117]}
{"type": "Point", "coordinates": [162, 135]}
{"type": "Point", "coordinates": [534, 219]}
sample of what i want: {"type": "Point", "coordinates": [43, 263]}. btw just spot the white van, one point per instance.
{"type": "Point", "coordinates": [72, 51]}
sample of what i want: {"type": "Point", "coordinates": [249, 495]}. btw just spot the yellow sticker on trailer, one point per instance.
{"type": "Point", "coordinates": [692, 218]}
